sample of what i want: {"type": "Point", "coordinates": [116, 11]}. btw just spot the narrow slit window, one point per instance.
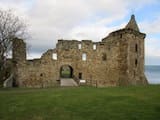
{"type": "Point", "coordinates": [120, 35]}
{"type": "Point", "coordinates": [136, 62]}
{"type": "Point", "coordinates": [79, 46]}
{"type": "Point", "coordinates": [54, 56]}
{"type": "Point", "coordinates": [84, 56]}
{"type": "Point", "coordinates": [136, 48]}
{"type": "Point", "coordinates": [94, 47]}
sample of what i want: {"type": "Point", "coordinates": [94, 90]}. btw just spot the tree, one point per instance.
{"type": "Point", "coordinates": [11, 27]}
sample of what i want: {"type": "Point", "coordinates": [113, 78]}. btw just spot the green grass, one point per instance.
{"type": "Point", "coordinates": [66, 74]}
{"type": "Point", "coordinates": [82, 103]}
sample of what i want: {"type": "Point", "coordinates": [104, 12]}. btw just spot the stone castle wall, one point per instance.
{"type": "Point", "coordinates": [117, 60]}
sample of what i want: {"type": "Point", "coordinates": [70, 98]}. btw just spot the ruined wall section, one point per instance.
{"type": "Point", "coordinates": [94, 68]}
{"type": "Point", "coordinates": [19, 60]}
{"type": "Point", "coordinates": [69, 53]}
{"type": "Point", "coordinates": [116, 61]}
{"type": "Point", "coordinates": [41, 72]}
{"type": "Point", "coordinates": [101, 64]}
{"type": "Point", "coordinates": [113, 66]}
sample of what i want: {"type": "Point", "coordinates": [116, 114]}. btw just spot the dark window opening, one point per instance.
{"type": "Point", "coordinates": [41, 74]}
{"type": "Point", "coordinates": [136, 62]}
{"type": "Point", "coordinates": [14, 83]}
{"type": "Point", "coordinates": [120, 35]}
{"type": "Point", "coordinates": [136, 48]}
{"type": "Point", "coordinates": [80, 75]}
{"type": "Point", "coordinates": [109, 48]}
{"type": "Point", "coordinates": [104, 57]}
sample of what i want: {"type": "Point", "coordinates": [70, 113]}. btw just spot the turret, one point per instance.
{"type": "Point", "coordinates": [132, 24]}
{"type": "Point", "coordinates": [135, 53]}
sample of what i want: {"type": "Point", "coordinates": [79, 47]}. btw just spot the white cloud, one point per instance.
{"type": "Point", "coordinates": [52, 20]}
{"type": "Point", "coordinates": [21, 7]}
{"type": "Point", "coordinates": [74, 19]}
{"type": "Point", "coordinates": [93, 31]}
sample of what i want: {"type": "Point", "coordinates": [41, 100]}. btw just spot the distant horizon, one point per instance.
{"type": "Point", "coordinates": [152, 65]}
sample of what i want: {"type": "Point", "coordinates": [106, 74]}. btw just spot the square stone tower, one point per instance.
{"type": "Point", "coordinates": [131, 53]}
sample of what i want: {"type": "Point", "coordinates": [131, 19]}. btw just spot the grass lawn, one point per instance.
{"type": "Point", "coordinates": [81, 103]}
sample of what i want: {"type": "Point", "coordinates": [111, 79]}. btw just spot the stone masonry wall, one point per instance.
{"type": "Point", "coordinates": [117, 60]}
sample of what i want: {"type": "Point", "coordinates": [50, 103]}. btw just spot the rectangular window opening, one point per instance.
{"type": "Point", "coordinates": [54, 56]}
{"type": "Point", "coordinates": [80, 75]}
{"type": "Point", "coordinates": [84, 56]}
{"type": "Point", "coordinates": [94, 47]}
{"type": "Point", "coordinates": [79, 46]}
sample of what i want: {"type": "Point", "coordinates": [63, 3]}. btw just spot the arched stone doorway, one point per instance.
{"type": "Point", "coordinates": [66, 71]}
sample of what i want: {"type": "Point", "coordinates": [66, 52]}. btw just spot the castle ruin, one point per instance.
{"type": "Point", "coordinates": [117, 60]}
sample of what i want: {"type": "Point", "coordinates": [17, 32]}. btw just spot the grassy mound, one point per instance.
{"type": "Point", "coordinates": [82, 103]}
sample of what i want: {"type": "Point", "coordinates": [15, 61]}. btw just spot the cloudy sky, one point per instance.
{"type": "Point", "coordinates": [50, 20]}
